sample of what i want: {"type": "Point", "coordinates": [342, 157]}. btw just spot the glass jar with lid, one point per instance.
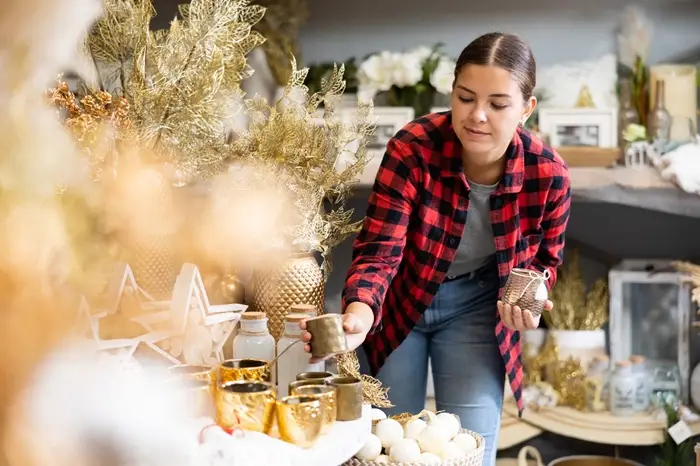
{"type": "Point", "coordinates": [295, 360]}
{"type": "Point", "coordinates": [254, 339]}
{"type": "Point", "coordinates": [623, 384]}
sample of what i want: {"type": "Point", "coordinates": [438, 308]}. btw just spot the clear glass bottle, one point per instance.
{"type": "Point", "coordinates": [642, 392]}
{"type": "Point", "coordinates": [599, 370]}
{"type": "Point", "coordinates": [623, 383]}
{"type": "Point", "coordinates": [628, 112]}
{"type": "Point", "coordinates": [659, 120]}
{"type": "Point", "coordinates": [253, 339]}
{"type": "Point", "coordinates": [295, 360]}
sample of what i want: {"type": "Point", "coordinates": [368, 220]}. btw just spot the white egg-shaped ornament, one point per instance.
{"type": "Point", "coordinates": [378, 414]}
{"type": "Point", "coordinates": [433, 439]}
{"type": "Point", "coordinates": [405, 451]}
{"type": "Point", "coordinates": [451, 451]}
{"type": "Point", "coordinates": [383, 459]}
{"type": "Point", "coordinates": [429, 459]}
{"type": "Point", "coordinates": [389, 432]}
{"type": "Point", "coordinates": [466, 442]}
{"type": "Point", "coordinates": [451, 423]}
{"type": "Point", "coordinates": [371, 449]}
{"type": "Point", "coordinates": [413, 428]}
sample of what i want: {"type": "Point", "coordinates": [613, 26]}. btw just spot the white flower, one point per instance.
{"type": "Point", "coordinates": [377, 72]}
{"type": "Point", "coordinates": [443, 76]}
{"type": "Point", "coordinates": [422, 52]}
{"type": "Point", "coordinates": [634, 37]}
{"type": "Point", "coordinates": [408, 69]}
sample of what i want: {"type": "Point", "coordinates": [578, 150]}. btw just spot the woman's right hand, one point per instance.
{"type": "Point", "coordinates": [357, 322]}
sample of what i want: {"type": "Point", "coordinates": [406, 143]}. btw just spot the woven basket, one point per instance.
{"type": "Point", "coordinates": [475, 458]}
{"type": "Point", "coordinates": [523, 289]}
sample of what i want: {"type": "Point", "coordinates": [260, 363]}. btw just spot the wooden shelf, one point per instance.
{"type": "Point", "coordinates": [602, 428]}
{"type": "Point", "coordinates": [634, 187]}
{"type": "Point", "coordinates": [515, 431]}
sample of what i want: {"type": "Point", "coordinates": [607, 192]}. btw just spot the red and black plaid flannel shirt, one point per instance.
{"type": "Point", "coordinates": [411, 231]}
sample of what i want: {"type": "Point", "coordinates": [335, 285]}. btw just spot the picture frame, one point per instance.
{"type": "Point", "coordinates": [580, 127]}
{"type": "Point", "coordinates": [389, 121]}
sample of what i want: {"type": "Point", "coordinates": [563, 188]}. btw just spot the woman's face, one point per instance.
{"type": "Point", "coordinates": [487, 106]}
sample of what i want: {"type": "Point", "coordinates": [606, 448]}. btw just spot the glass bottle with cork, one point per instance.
{"type": "Point", "coordinates": [254, 339]}
{"type": "Point", "coordinates": [295, 360]}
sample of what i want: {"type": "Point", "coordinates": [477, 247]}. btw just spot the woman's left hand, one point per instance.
{"type": "Point", "coordinates": [520, 319]}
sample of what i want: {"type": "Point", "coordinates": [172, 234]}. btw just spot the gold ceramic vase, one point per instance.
{"type": "Point", "coordinates": [298, 281]}
{"type": "Point", "coordinates": [150, 248]}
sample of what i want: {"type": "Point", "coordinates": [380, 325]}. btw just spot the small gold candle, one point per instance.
{"type": "Point", "coordinates": [300, 420]}
{"type": "Point", "coordinates": [348, 398]}
{"type": "Point", "coordinates": [327, 335]}
{"type": "Point", "coordinates": [315, 375]}
{"type": "Point", "coordinates": [326, 394]}
{"type": "Point", "coordinates": [243, 369]}
{"type": "Point", "coordinates": [245, 405]}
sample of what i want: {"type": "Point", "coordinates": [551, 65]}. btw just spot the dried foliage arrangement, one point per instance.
{"type": "Point", "coordinates": [575, 307]}
{"type": "Point", "coordinates": [280, 26]}
{"type": "Point", "coordinates": [317, 157]}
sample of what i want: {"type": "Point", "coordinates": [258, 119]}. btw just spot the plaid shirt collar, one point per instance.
{"type": "Point", "coordinates": [514, 175]}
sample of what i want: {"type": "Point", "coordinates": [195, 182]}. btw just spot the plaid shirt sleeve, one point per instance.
{"type": "Point", "coordinates": [556, 215]}
{"type": "Point", "coordinates": [378, 248]}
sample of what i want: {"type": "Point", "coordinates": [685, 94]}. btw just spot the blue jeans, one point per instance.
{"type": "Point", "coordinates": [457, 333]}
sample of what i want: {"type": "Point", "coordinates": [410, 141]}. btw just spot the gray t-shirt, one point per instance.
{"type": "Point", "coordinates": [476, 248]}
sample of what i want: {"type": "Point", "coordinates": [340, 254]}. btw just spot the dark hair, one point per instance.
{"type": "Point", "coordinates": [506, 51]}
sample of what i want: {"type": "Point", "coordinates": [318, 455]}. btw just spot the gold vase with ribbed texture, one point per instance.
{"type": "Point", "coordinates": [148, 240]}
{"type": "Point", "coordinates": [299, 280]}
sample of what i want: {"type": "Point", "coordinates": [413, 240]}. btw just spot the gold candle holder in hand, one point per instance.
{"type": "Point", "coordinates": [327, 335]}
{"type": "Point", "coordinates": [300, 420]}
{"type": "Point", "coordinates": [245, 405]}
{"type": "Point", "coordinates": [527, 289]}
{"type": "Point", "coordinates": [326, 394]}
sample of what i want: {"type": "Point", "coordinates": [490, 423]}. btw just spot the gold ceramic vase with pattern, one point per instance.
{"type": "Point", "coordinates": [148, 240]}
{"type": "Point", "coordinates": [299, 280]}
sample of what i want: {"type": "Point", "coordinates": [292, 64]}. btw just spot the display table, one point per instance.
{"type": "Point", "coordinates": [602, 428]}
{"type": "Point", "coordinates": [515, 431]}
{"type": "Point", "coordinates": [256, 449]}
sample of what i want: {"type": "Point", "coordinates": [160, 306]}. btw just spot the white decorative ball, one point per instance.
{"type": "Point", "coordinates": [405, 451]}
{"type": "Point", "coordinates": [413, 428]}
{"type": "Point", "coordinates": [371, 450]}
{"type": "Point", "coordinates": [451, 423]}
{"type": "Point", "coordinates": [389, 432]}
{"type": "Point", "coordinates": [466, 442]}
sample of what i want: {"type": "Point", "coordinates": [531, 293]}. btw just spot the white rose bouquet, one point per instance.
{"type": "Point", "coordinates": [408, 79]}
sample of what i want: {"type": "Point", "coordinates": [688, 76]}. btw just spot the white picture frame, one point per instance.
{"type": "Point", "coordinates": [588, 127]}
{"type": "Point", "coordinates": [389, 121]}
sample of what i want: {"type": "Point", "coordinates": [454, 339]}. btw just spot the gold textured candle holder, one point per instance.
{"type": "Point", "coordinates": [315, 375]}
{"type": "Point", "coordinates": [326, 394]}
{"type": "Point", "coordinates": [245, 405]}
{"type": "Point", "coordinates": [198, 372]}
{"type": "Point", "coordinates": [300, 420]}
{"type": "Point", "coordinates": [348, 398]}
{"type": "Point", "coordinates": [327, 335]}
{"type": "Point", "coordinates": [527, 289]}
{"type": "Point", "coordinates": [243, 369]}
{"type": "Point", "coordinates": [303, 383]}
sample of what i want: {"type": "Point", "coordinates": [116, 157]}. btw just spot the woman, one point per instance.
{"type": "Point", "coordinates": [460, 199]}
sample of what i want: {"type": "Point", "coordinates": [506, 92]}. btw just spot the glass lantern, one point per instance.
{"type": "Point", "coordinates": [650, 316]}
